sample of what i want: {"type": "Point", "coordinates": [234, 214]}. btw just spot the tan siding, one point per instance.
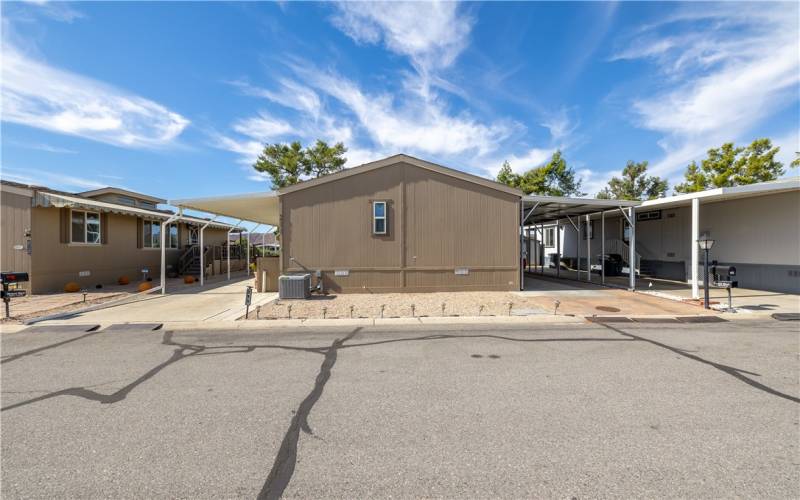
{"type": "Point", "coordinates": [436, 223]}
{"type": "Point", "coordinates": [55, 263]}
{"type": "Point", "coordinates": [15, 219]}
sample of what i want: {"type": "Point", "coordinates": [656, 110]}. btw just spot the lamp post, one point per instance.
{"type": "Point", "coordinates": [705, 244]}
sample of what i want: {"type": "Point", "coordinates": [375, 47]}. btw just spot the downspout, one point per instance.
{"type": "Point", "coordinates": [164, 226]}
{"type": "Point", "coordinates": [203, 251]}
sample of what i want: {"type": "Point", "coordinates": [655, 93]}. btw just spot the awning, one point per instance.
{"type": "Point", "coordinates": [541, 209]}
{"type": "Point", "coordinates": [46, 199]}
{"type": "Point", "coordinates": [254, 207]}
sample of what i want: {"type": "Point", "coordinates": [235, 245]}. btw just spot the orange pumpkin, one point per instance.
{"type": "Point", "coordinates": [144, 286]}
{"type": "Point", "coordinates": [123, 280]}
{"type": "Point", "coordinates": [188, 280]}
{"type": "Point", "coordinates": [72, 287]}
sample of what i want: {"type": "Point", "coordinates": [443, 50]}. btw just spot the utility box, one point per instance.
{"type": "Point", "coordinates": [267, 272]}
{"type": "Point", "coordinates": [294, 286]}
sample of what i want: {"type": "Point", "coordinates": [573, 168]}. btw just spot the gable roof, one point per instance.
{"type": "Point", "coordinates": [393, 160]}
{"type": "Point", "coordinates": [124, 192]}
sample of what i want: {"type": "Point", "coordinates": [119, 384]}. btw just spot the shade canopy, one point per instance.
{"type": "Point", "coordinates": [540, 209]}
{"type": "Point", "coordinates": [259, 207]}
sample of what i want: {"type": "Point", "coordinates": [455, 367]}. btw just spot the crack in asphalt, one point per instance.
{"type": "Point", "coordinates": [737, 373]}
{"type": "Point", "coordinates": [183, 351]}
{"type": "Point", "coordinates": [283, 467]}
{"type": "Point", "coordinates": [14, 357]}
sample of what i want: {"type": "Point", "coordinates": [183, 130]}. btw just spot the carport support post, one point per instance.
{"type": "Point", "coordinates": [588, 249]}
{"type": "Point", "coordinates": [164, 226]}
{"type": "Point", "coordinates": [578, 248]}
{"type": "Point", "coordinates": [632, 249]}
{"type": "Point", "coordinates": [248, 248]}
{"type": "Point", "coordinates": [203, 252]}
{"type": "Point", "coordinates": [694, 246]}
{"type": "Point", "coordinates": [603, 248]}
{"type": "Point", "coordinates": [541, 248]}
{"type": "Point", "coordinates": [558, 249]}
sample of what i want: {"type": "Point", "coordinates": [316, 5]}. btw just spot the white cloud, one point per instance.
{"type": "Point", "coordinates": [414, 125]}
{"type": "Point", "coordinates": [290, 94]}
{"type": "Point", "coordinates": [262, 127]}
{"type": "Point", "coordinates": [790, 145]}
{"type": "Point", "coordinates": [50, 179]}
{"type": "Point", "coordinates": [741, 67]}
{"type": "Point", "coordinates": [58, 11]}
{"type": "Point", "coordinates": [431, 34]}
{"type": "Point", "coordinates": [560, 125]}
{"type": "Point", "coordinates": [38, 95]}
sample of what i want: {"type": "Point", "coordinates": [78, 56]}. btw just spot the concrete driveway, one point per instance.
{"type": "Point", "coordinates": [657, 410]}
{"type": "Point", "coordinates": [218, 300]}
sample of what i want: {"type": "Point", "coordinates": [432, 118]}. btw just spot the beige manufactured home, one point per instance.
{"type": "Point", "coordinates": [402, 224]}
{"type": "Point", "coordinates": [95, 237]}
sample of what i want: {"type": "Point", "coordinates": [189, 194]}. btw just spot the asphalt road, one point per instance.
{"type": "Point", "coordinates": [624, 410]}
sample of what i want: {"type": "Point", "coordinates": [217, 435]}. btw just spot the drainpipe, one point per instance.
{"type": "Point", "coordinates": [202, 251]}
{"type": "Point", "coordinates": [164, 226]}
{"type": "Point", "coordinates": [229, 246]}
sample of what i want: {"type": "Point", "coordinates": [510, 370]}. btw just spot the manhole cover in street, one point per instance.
{"type": "Point", "coordinates": [607, 309]}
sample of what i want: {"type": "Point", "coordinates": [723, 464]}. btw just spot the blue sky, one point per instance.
{"type": "Point", "coordinates": [175, 99]}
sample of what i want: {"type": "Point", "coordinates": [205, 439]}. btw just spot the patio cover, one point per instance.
{"type": "Point", "coordinates": [259, 207]}
{"type": "Point", "coordinates": [47, 199]}
{"type": "Point", "coordinates": [541, 209]}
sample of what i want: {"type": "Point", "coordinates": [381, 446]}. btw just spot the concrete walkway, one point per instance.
{"type": "Point", "coordinates": [220, 301]}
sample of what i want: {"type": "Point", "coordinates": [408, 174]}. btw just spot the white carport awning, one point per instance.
{"type": "Point", "coordinates": [542, 209]}
{"type": "Point", "coordinates": [255, 207]}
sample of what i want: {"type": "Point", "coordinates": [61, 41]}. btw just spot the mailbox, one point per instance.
{"type": "Point", "coordinates": [8, 277]}
{"type": "Point", "coordinates": [724, 276]}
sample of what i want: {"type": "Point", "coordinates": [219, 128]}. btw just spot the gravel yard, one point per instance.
{"type": "Point", "coordinates": [406, 305]}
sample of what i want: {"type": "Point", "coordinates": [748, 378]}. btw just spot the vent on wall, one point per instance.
{"type": "Point", "coordinates": [794, 273]}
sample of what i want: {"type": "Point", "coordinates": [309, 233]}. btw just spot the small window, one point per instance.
{"type": "Point", "coordinates": [651, 215]}
{"type": "Point", "coordinates": [549, 237]}
{"type": "Point", "coordinates": [85, 227]}
{"type": "Point", "coordinates": [126, 200]}
{"type": "Point", "coordinates": [626, 232]}
{"type": "Point", "coordinates": [379, 217]}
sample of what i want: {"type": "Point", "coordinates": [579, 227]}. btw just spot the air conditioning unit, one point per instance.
{"type": "Point", "coordinates": [294, 286]}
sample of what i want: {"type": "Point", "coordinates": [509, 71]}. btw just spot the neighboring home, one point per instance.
{"type": "Point", "coordinates": [95, 237]}
{"type": "Point", "coordinates": [266, 241]}
{"type": "Point", "coordinates": [756, 228]}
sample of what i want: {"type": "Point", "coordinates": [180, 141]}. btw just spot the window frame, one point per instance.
{"type": "Point", "coordinates": [85, 241]}
{"type": "Point", "coordinates": [549, 237]}
{"type": "Point", "coordinates": [376, 218]}
{"type": "Point", "coordinates": [148, 223]}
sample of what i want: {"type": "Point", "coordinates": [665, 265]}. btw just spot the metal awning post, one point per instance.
{"type": "Point", "coordinates": [603, 247]}
{"type": "Point", "coordinates": [558, 248]}
{"type": "Point", "coordinates": [578, 249]}
{"type": "Point", "coordinates": [589, 249]}
{"type": "Point", "coordinates": [164, 226]}
{"type": "Point", "coordinates": [632, 248]}
{"type": "Point", "coordinates": [203, 251]}
{"type": "Point", "coordinates": [694, 247]}
{"type": "Point", "coordinates": [229, 246]}
{"type": "Point", "coordinates": [541, 249]}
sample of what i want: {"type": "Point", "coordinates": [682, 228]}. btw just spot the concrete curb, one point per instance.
{"type": "Point", "coordinates": [345, 322]}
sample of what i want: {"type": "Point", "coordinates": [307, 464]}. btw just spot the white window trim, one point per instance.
{"type": "Point", "coordinates": [375, 218]}
{"type": "Point", "coordinates": [551, 231]}
{"type": "Point", "coordinates": [166, 240]}
{"type": "Point", "coordinates": [86, 241]}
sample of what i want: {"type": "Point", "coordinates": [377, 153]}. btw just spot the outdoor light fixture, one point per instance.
{"type": "Point", "coordinates": [705, 244]}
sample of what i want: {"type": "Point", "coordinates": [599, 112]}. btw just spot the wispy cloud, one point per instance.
{"type": "Point", "coordinates": [38, 95]}
{"type": "Point", "coordinates": [40, 147]}
{"type": "Point", "coordinates": [722, 84]}
{"type": "Point", "coordinates": [430, 34]}
{"type": "Point", "coordinates": [56, 10]}
{"type": "Point", "coordinates": [49, 179]}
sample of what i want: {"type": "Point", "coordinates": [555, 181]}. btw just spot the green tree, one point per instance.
{"type": "Point", "coordinates": [288, 164]}
{"type": "Point", "coordinates": [555, 178]}
{"type": "Point", "coordinates": [322, 159]}
{"type": "Point", "coordinates": [796, 162]}
{"type": "Point", "coordinates": [634, 184]}
{"type": "Point", "coordinates": [728, 166]}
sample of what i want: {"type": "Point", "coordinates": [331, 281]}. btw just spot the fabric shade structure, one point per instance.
{"type": "Point", "coordinates": [259, 207]}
